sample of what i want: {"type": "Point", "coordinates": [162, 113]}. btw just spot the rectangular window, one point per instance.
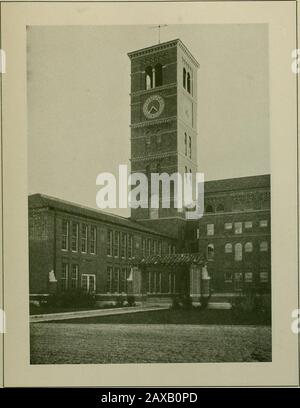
{"type": "Point", "coordinates": [116, 244]}
{"type": "Point", "coordinates": [109, 279]}
{"type": "Point", "coordinates": [173, 249]}
{"type": "Point", "coordinates": [263, 223]}
{"type": "Point", "coordinates": [109, 244]}
{"type": "Point", "coordinates": [130, 246]}
{"type": "Point", "coordinates": [228, 226]}
{"type": "Point", "coordinates": [190, 147]}
{"type": "Point", "coordinates": [263, 277]}
{"type": "Point", "coordinates": [93, 240]}
{"type": "Point", "coordinates": [75, 228]}
{"type": "Point", "coordinates": [144, 247]}
{"type": "Point", "coordinates": [228, 277]}
{"type": "Point", "coordinates": [154, 247]}
{"type": "Point", "coordinates": [123, 245]}
{"type": "Point", "coordinates": [210, 229]}
{"type": "Point", "coordinates": [64, 276]}
{"type": "Point", "coordinates": [74, 276]}
{"type": "Point", "coordinates": [159, 247]}
{"type": "Point", "coordinates": [248, 224]}
{"type": "Point", "coordinates": [238, 227]}
{"type": "Point", "coordinates": [248, 277]}
{"type": "Point", "coordinates": [88, 283]}
{"type": "Point", "coordinates": [84, 238]}
{"type": "Point", "coordinates": [149, 247]}
{"type": "Point", "coordinates": [115, 280]}
{"type": "Point", "coordinates": [169, 249]}
{"type": "Point", "coordinates": [65, 236]}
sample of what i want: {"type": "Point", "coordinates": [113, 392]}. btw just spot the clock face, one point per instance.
{"type": "Point", "coordinates": [153, 106]}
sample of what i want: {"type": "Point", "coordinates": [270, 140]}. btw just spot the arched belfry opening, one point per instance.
{"type": "Point", "coordinates": [188, 80]}
{"type": "Point", "coordinates": [158, 75]}
{"type": "Point", "coordinates": [148, 78]}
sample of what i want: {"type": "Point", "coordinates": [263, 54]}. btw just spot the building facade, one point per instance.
{"type": "Point", "coordinates": [157, 248]}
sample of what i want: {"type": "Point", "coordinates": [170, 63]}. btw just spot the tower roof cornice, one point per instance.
{"type": "Point", "coordinates": [163, 46]}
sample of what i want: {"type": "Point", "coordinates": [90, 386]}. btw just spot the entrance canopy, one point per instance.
{"type": "Point", "coordinates": [173, 259]}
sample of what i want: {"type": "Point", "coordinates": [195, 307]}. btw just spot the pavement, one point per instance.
{"type": "Point", "coordinates": [93, 313]}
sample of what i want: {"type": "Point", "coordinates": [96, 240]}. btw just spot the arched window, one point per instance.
{"type": "Point", "coordinates": [248, 247]}
{"type": "Point", "coordinates": [220, 208]}
{"type": "Point", "coordinates": [190, 147]}
{"type": "Point", "coordinates": [263, 246]}
{"type": "Point", "coordinates": [184, 78]}
{"type": "Point", "coordinates": [158, 75]}
{"type": "Point", "coordinates": [188, 82]}
{"type": "Point", "coordinates": [238, 252]}
{"type": "Point", "coordinates": [228, 248]}
{"type": "Point", "coordinates": [148, 78]}
{"type": "Point", "coordinates": [210, 251]}
{"type": "Point", "coordinates": [209, 209]}
{"type": "Point", "coordinates": [185, 143]}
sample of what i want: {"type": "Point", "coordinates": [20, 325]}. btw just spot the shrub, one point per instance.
{"type": "Point", "coordinates": [72, 298]}
{"type": "Point", "coordinates": [120, 302]}
{"type": "Point", "coordinates": [131, 300]}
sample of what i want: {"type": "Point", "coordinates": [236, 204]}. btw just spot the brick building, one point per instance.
{"type": "Point", "coordinates": [158, 249]}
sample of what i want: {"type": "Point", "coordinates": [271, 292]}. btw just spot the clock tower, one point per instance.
{"type": "Point", "coordinates": [163, 119]}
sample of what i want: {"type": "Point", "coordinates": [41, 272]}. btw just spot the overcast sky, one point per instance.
{"type": "Point", "coordinates": [79, 113]}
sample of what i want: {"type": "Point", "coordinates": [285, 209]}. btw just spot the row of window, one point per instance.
{"type": "Point", "coordinates": [156, 285]}
{"type": "Point", "coordinates": [88, 237]}
{"type": "Point", "coordinates": [187, 145]}
{"type": "Point", "coordinates": [117, 279]}
{"type": "Point", "coordinates": [238, 226]}
{"type": "Point", "coordinates": [121, 244]}
{"type": "Point", "coordinates": [69, 278]}
{"type": "Point", "coordinates": [248, 277]}
{"type": "Point", "coordinates": [238, 249]}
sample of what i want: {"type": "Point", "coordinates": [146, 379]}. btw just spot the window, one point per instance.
{"type": "Point", "coordinates": [210, 251]}
{"type": "Point", "coordinates": [238, 227]}
{"type": "Point", "coordinates": [228, 226]}
{"type": "Point", "coordinates": [123, 277]}
{"type": "Point", "coordinates": [248, 247]}
{"type": "Point", "coordinates": [263, 246]}
{"type": "Point", "coordinates": [74, 245]}
{"type": "Point", "coordinates": [209, 209]}
{"type": "Point", "coordinates": [144, 247]}
{"type": "Point", "coordinates": [64, 276]}
{"type": "Point", "coordinates": [65, 236]}
{"type": "Point", "coordinates": [248, 224]}
{"type": "Point", "coordinates": [228, 277]}
{"type": "Point", "coordinates": [123, 245]}
{"type": "Point", "coordinates": [228, 248]}
{"type": "Point", "coordinates": [109, 279]}
{"type": "Point", "coordinates": [149, 247]}
{"type": "Point", "coordinates": [130, 246]}
{"type": "Point", "coordinates": [109, 245]}
{"type": "Point", "coordinates": [93, 240]}
{"type": "Point", "coordinates": [264, 276]}
{"type": "Point", "coordinates": [238, 252]}
{"type": "Point", "coordinates": [190, 147]}
{"type": "Point", "coordinates": [220, 208]}
{"type": "Point", "coordinates": [248, 277]}
{"type": "Point", "coordinates": [210, 229]}
{"type": "Point", "coordinates": [263, 223]}
{"type": "Point", "coordinates": [84, 238]}
{"type": "Point", "coordinates": [184, 78]}
{"type": "Point", "coordinates": [188, 82]}
{"type": "Point", "coordinates": [158, 282]}
{"type": "Point", "coordinates": [185, 144]}
{"type": "Point", "coordinates": [158, 75]}
{"type": "Point", "coordinates": [148, 78]}
{"type": "Point", "coordinates": [88, 283]}
{"type": "Point", "coordinates": [159, 247]}
{"type": "Point", "coordinates": [74, 276]}
{"type": "Point", "coordinates": [116, 244]}
{"type": "Point", "coordinates": [169, 249]}
{"type": "Point", "coordinates": [173, 249]}
{"type": "Point", "coordinates": [115, 280]}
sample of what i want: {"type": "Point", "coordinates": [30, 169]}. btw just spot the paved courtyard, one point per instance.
{"type": "Point", "coordinates": [68, 343]}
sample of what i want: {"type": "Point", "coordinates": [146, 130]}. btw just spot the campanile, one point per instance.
{"type": "Point", "coordinates": [163, 117]}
